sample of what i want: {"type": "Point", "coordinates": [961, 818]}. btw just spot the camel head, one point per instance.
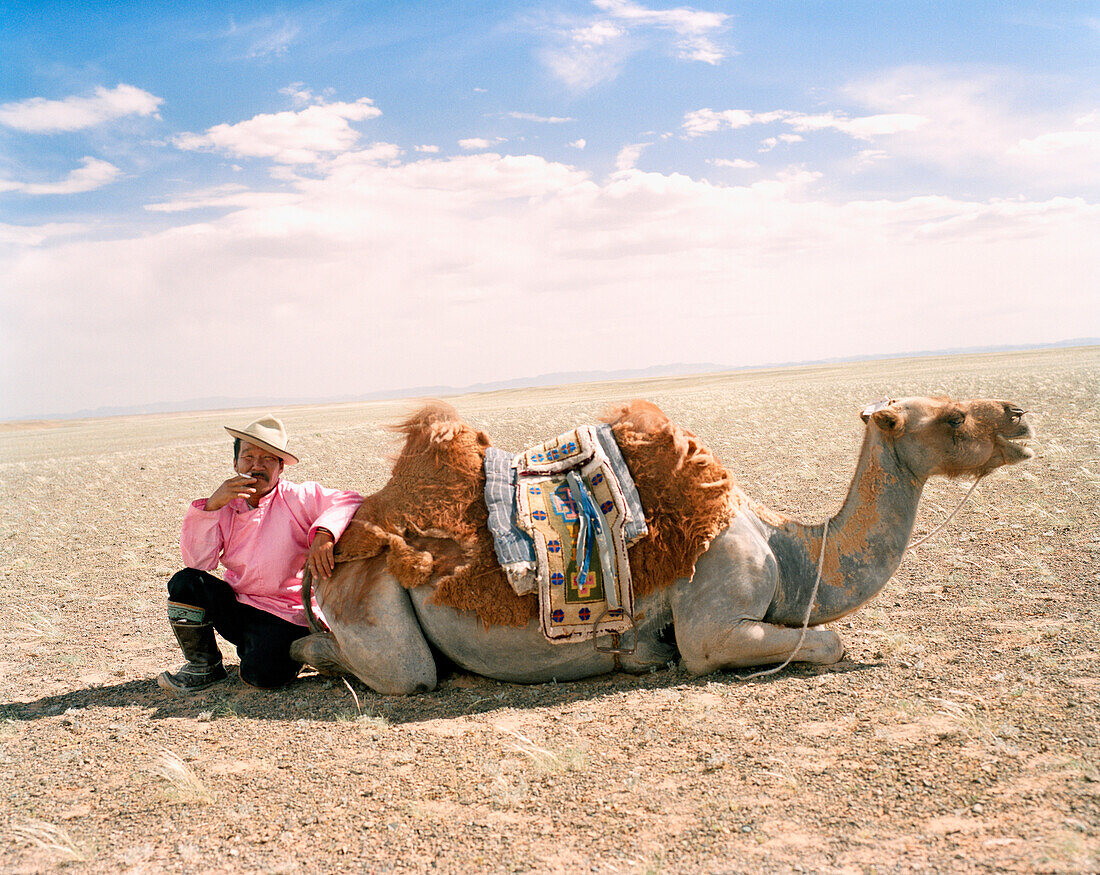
{"type": "Point", "coordinates": [952, 438]}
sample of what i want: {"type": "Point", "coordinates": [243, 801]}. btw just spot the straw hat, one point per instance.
{"type": "Point", "coordinates": [268, 433]}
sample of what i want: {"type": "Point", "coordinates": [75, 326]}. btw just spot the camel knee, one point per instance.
{"type": "Point", "coordinates": [391, 665]}
{"type": "Point", "coordinates": [703, 653]}
{"type": "Point", "coordinates": [380, 641]}
{"type": "Point", "coordinates": [401, 673]}
{"type": "Point", "coordinates": [396, 684]}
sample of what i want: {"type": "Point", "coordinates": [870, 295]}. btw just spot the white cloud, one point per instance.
{"type": "Point", "coordinates": [708, 121]}
{"type": "Point", "coordinates": [690, 26]}
{"type": "Point", "coordinates": [1060, 141]}
{"type": "Point", "coordinates": [35, 235]}
{"type": "Point", "coordinates": [303, 96]}
{"type": "Point", "coordinates": [580, 63]}
{"type": "Point", "coordinates": [471, 144]}
{"type": "Point", "coordinates": [261, 37]}
{"type": "Point", "coordinates": [628, 156]}
{"type": "Point", "coordinates": [594, 51]}
{"type": "Point", "coordinates": [37, 115]}
{"type": "Point", "coordinates": [388, 274]}
{"type": "Point", "coordinates": [276, 42]}
{"type": "Point", "coordinates": [427, 149]}
{"type": "Point", "coordinates": [92, 174]}
{"type": "Point", "coordinates": [984, 124]}
{"type": "Point", "coordinates": [986, 127]}
{"type": "Point", "coordinates": [303, 137]}
{"type": "Point", "coordinates": [531, 117]}
{"type": "Point", "coordinates": [598, 34]}
{"type": "Point", "coordinates": [375, 153]}
{"type": "Point", "coordinates": [867, 157]}
{"type": "Point", "coordinates": [221, 196]}
{"type": "Point", "coordinates": [769, 143]}
{"type": "Point", "coordinates": [865, 128]}
{"type": "Point", "coordinates": [735, 163]}
{"type": "Point", "coordinates": [578, 144]}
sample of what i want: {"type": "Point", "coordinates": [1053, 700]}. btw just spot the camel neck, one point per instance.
{"type": "Point", "coordinates": [865, 544]}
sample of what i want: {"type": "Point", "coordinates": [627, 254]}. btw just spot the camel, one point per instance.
{"type": "Point", "coordinates": [726, 592]}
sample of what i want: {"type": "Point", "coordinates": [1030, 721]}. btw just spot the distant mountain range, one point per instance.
{"type": "Point", "coordinates": [222, 402]}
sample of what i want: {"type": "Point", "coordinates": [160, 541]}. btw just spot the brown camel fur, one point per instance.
{"type": "Point", "coordinates": [431, 516]}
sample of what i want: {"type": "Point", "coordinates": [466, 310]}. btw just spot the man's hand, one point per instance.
{"type": "Point", "coordinates": [239, 486]}
{"type": "Point", "coordinates": [321, 561]}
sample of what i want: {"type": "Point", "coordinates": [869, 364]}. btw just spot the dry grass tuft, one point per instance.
{"type": "Point", "coordinates": [52, 839]}
{"type": "Point", "coordinates": [187, 785]}
{"type": "Point", "coordinates": [38, 626]}
{"type": "Point", "coordinates": [897, 644]}
{"type": "Point", "coordinates": [545, 761]}
{"type": "Point", "coordinates": [972, 721]}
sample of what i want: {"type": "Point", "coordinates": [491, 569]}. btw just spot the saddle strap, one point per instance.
{"type": "Point", "coordinates": [593, 533]}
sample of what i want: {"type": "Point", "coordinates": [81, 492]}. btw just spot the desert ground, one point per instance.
{"type": "Point", "coordinates": [958, 734]}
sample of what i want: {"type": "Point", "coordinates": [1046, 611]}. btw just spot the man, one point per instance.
{"type": "Point", "coordinates": [264, 530]}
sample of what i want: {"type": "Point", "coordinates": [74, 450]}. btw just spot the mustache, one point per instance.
{"type": "Point", "coordinates": [259, 475]}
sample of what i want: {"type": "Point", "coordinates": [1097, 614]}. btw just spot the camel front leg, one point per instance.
{"type": "Point", "coordinates": [375, 632]}
{"type": "Point", "coordinates": [753, 642]}
{"type": "Point", "coordinates": [718, 614]}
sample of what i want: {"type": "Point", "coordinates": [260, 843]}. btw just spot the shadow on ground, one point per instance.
{"type": "Point", "coordinates": [314, 697]}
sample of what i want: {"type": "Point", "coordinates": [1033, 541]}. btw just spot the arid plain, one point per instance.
{"type": "Point", "coordinates": [960, 733]}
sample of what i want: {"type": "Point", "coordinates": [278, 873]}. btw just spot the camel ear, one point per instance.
{"type": "Point", "coordinates": [890, 421]}
{"type": "Point", "coordinates": [865, 413]}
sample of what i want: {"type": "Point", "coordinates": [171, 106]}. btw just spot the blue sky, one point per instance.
{"type": "Point", "coordinates": [320, 199]}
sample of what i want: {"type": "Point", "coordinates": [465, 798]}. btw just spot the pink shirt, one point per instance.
{"type": "Point", "coordinates": [264, 548]}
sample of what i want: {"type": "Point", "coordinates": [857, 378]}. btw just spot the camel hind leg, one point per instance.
{"type": "Point", "coordinates": [375, 632]}
{"type": "Point", "coordinates": [718, 613]}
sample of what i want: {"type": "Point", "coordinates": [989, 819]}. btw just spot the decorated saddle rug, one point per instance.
{"type": "Point", "coordinates": [562, 515]}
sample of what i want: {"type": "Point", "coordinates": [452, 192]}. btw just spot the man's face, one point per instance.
{"type": "Point", "coordinates": [262, 464]}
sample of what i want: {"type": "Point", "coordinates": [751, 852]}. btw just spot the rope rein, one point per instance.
{"type": "Point", "coordinates": [817, 583]}
{"type": "Point", "coordinates": [940, 527]}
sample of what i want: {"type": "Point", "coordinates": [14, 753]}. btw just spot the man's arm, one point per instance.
{"type": "Point", "coordinates": [332, 510]}
{"type": "Point", "coordinates": [201, 537]}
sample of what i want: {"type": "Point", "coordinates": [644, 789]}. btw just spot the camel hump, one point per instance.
{"type": "Point", "coordinates": [638, 416]}
{"type": "Point", "coordinates": [436, 422]}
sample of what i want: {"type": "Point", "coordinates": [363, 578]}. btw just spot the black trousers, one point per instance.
{"type": "Point", "coordinates": [262, 639]}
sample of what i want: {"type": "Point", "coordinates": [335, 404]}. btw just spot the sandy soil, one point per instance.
{"type": "Point", "coordinates": [958, 734]}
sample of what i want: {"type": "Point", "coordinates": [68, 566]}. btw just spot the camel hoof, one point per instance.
{"type": "Point", "coordinates": [834, 648]}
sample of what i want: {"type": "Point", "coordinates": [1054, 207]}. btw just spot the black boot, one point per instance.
{"type": "Point", "coordinates": [204, 660]}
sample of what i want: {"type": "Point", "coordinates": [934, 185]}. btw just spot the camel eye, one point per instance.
{"type": "Point", "coordinates": [955, 420]}
{"type": "Point", "coordinates": [1016, 413]}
